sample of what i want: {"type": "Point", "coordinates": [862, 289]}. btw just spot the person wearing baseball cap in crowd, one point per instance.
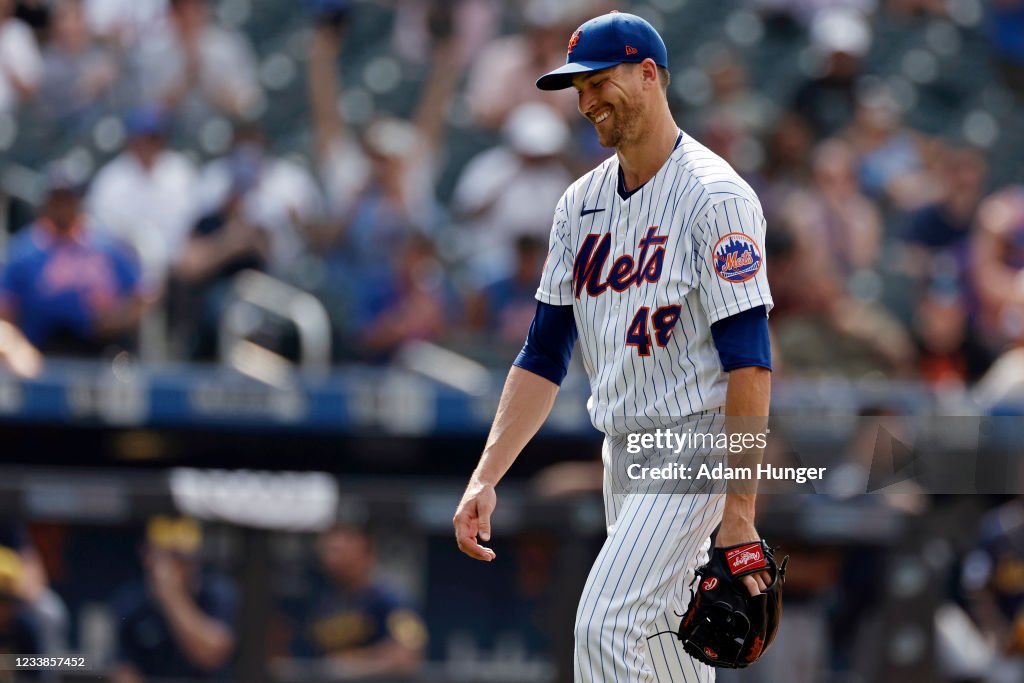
{"type": "Point", "coordinates": [17, 633]}
{"type": "Point", "coordinates": [180, 621]}
{"type": "Point", "coordinates": [69, 291]}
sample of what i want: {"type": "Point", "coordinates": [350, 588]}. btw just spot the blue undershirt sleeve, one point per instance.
{"type": "Point", "coordinates": [549, 343]}
{"type": "Point", "coordinates": [742, 340]}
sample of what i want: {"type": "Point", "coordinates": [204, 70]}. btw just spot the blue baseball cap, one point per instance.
{"type": "Point", "coordinates": [603, 42]}
{"type": "Point", "coordinates": [146, 120]}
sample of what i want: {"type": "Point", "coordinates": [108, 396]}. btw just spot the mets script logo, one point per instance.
{"type": "Point", "coordinates": [592, 258]}
{"type": "Point", "coordinates": [574, 40]}
{"type": "Point", "coordinates": [710, 584]}
{"type": "Point", "coordinates": [736, 257]}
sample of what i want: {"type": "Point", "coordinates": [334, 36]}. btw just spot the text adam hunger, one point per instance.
{"type": "Point", "coordinates": [721, 471]}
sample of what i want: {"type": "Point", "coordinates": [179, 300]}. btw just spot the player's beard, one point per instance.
{"type": "Point", "coordinates": [626, 128]}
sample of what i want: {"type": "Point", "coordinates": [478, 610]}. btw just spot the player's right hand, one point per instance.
{"type": "Point", "coordinates": [473, 519]}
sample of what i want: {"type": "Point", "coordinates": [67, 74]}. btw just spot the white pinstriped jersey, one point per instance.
{"type": "Point", "coordinates": [648, 275]}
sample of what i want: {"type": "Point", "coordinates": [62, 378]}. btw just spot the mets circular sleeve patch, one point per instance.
{"type": "Point", "coordinates": [736, 257]}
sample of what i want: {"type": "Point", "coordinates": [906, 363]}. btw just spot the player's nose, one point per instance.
{"type": "Point", "coordinates": [586, 101]}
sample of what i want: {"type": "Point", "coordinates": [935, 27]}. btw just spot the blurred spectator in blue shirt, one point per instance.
{"type": "Point", "coordinates": [1006, 34]}
{"type": "Point", "coordinates": [358, 624]}
{"type": "Point", "coordinates": [70, 292]}
{"type": "Point", "coordinates": [406, 303]}
{"type": "Point", "coordinates": [940, 230]}
{"type": "Point", "coordinates": [895, 162]}
{"type": "Point", "coordinates": [180, 621]}
{"type": "Point", "coordinates": [502, 311]}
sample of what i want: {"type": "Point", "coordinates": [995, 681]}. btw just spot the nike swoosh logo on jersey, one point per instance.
{"type": "Point", "coordinates": [587, 212]}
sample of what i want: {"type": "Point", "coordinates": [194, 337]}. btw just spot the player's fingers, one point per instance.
{"type": "Point", "coordinates": [751, 584]}
{"type": "Point", "coordinates": [467, 526]}
{"type": "Point", "coordinates": [484, 525]}
{"type": "Point", "coordinates": [469, 545]}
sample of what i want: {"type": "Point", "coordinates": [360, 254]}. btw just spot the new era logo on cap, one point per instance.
{"type": "Point", "coordinates": [603, 42]}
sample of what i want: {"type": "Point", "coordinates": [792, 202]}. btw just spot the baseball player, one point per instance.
{"type": "Point", "coordinates": [656, 264]}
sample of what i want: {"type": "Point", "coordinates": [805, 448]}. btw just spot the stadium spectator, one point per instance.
{"type": "Point", "coordinates": [70, 291]}
{"type": "Point", "coordinates": [511, 190]}
{"type": "Point", "coordinates": [179, 622]}
{"type": "Point", "coordinates": [18, 635]}
{"type": "Point", "coordinates": [895, 162]}
{"type": "Point", "coordinates": [472, 24]}
{"type": "Point", "coordinates": [942, 229]}
{"type": "Point", "coordinates": [123, 23]}
{"type": "Point", "coordinates": [500, 313]}
{"type": "Point", "coordinates": [409, 302]}
{"type": "Point", "coordinates": [21, 65]}
{"type": "Point", "coordinates": [381, 191]}
{"type": "Point", "coordinates": [147, 195]}
{"type": "Point", "coordinates": [278, 196]}
{"type": "Point", "coordinates": [732, 123]}
{"type": "Point", "coordinates": [819, 329]}
{"type": "Point", "coordinates": [196, 69]}
{"type": "Point", "coordinates": [1006, 36]}
{"type": "Point", "coordinates": [839, 230]}
{"type": "Point", "coordinates": [79, 74]}
{"type": "Point", "coordinates": [503, 74]}
{"type": "Point", "coordinates": [993, 580]}
{"type": "Point", "coordinates": [840, 38]}
{"type": "Point", "coordinates": [997, 261]}
{"type": "Point", "coordinates": [786, 166]}
{"type": "Point", "coordinates": [949, 353]}
{"type": "Point", "coordinates": [44, 608]}
{"type": "Point", "coordinates": [223, 243]}
{"type": "Point", "coordinates": [358, 624]}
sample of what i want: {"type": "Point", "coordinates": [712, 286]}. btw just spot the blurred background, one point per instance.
{"type": "Point", "coordinates": [266, 263]}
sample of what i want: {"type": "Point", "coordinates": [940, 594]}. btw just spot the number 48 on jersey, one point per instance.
{"type": "Point", "coordinates": [662, 320]}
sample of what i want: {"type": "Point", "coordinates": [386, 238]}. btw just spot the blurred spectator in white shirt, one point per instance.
{"type": "Point", "coordinates": [281, 196]}
{"type": "Point", "coordinates": [511, 190]}
{"type": "Point", "coordinates": [78, 73]}
{"type": "Point", "coordinates": [503, 74]}
{"type": "Point", "coordinates": [147, 196]}
{"type": "Point", "coordinates": [123, 22]}
{"type": "Point", "coordinates": [197, 68]}
{"type": "Point", "coordinates": [21, 65]}
{"type": "Point", "coordinates": [381, 191]}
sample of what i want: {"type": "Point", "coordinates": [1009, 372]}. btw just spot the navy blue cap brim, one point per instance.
{"type": "Point", "coordinates": [561, 78]}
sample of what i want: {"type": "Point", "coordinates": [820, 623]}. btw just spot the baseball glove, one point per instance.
{"type": "Point", "coordinates": [725, 626]}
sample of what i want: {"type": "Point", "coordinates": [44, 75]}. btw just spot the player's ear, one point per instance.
{"type": "Point", "coordinates": [649, 72]}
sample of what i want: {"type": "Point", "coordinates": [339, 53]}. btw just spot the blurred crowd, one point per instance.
{"type": "Point", "coordinates": [893, 252]}
{"type": "Point", "coordinates": [177, 616]}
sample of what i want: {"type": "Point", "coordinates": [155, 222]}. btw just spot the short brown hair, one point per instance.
{"type": "Point", "coordinates": [665, 77]}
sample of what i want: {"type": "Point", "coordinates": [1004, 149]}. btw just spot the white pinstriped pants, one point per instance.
{"type": "Point", "coordinates": [641, 581]}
